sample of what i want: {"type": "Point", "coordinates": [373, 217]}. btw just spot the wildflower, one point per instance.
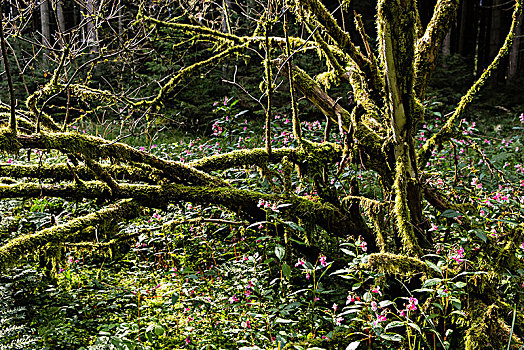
{"type": "Point", "coordinates": [374, 305]}
{"type": "Point", "coordinates": [381, 318]}
{"type": "Point", "coordinates": [433, 228]}
{"type": "Point", "coordinates": [376, 289]}
{"type": "Point", "coordinates": [307, 276]}
{"type": "Point", "coordinates": [413, 302]}
{"type": "Point", "coordinates": [188, 340]}
{"type": "Point", "coordinates": [458, 255]}
{"type": "Point", "coordinates": [300, 263]}
{"type": "Point", "coordinates": [339, 320]}
{"type": "Point", "coordinates": [402, 313]}
{"type": "Point", "coordinates": [335, 306]}
{"type": "Point", "coordinates": [317, 299]}
{"type": "Point", "coordinates": [522, 118]}
{"type": "Point", "coordinates": [233, 299]}
{"type": "Point", "coordinates": [322, 260]}
{"type": "Point", "coordinates": [350, 299]}
{"type": "Point", "coordinates": [363, 246]}
{"type": "Point", "coordinates": [475, 182]}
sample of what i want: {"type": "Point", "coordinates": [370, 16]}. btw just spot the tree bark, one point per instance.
{"type": "Point", "coordinates": [46, 30]}
{"type": "Point", "coordinates": [60, 19]}
{"type": "Point", "coordinates": [91, 27]}
{"type": "Point", "coordinates": [515, 50]}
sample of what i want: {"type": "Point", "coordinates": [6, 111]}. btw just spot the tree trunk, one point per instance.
{"type": "Point", "coordinates": [46, 30]}
{"type": "Point", "coordinates": [446, 46]}
{"type": "Point", "coordinates": [514, 53]}
{"type": "Point", "coordinates": [60, 19]}
{"type": "Point", "coordinates": [91, 27]}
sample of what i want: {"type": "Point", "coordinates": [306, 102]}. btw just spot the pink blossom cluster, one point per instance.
{"type": "Point", "coordinates": [457, 254]}
{"type": "Point", "coordinates": [267, 205]}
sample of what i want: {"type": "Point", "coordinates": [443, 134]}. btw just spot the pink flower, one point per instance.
{"type": "Point", "coordinates": [433, 228]}
{"type": "Point", "coordinates": [339, 320]}
{"type": "Point", "coordinates": [522, 118]}
{"type": "Point", "coordinates": [188, 340]}
{"type": "Point", "coordinates": [381, 318]}
{"type": "Point", "coordinates": [458, 255]}
{"type": "Point", "coordinates": [350, 299]}
{"type": "Point", "coordinates": [363, 246]}
{"type": "Point", "coordinates": [322, 260]}
{"type": "Point", "coordinates": [376, 289]}
{"type": "Point", "coordinates": [233, 299]}
{"type": "Point", "coordinates": [413, 302]}
{"type": "Point", "coordinates": [402, 313]}
{"type": "Point", "coordinates": [307, 276]}
{"type": "Point", "coordinates": [335, 306]}
{"type": "Point", "coordinates": [374, 305]}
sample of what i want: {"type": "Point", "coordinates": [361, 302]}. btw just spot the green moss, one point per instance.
{"type": "Point", "coordinates": [398, 264]}
{"type": "Point", "coordinates": [488, 330]}
{"type": "Point", "coordinates": [14, 249]}
{"type": "Point", "coordinates": [401, 209]}
{"type": "Point", "coordinates": [9, 141]}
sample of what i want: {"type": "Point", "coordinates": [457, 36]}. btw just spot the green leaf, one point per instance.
{"type": "Point", "coordinates": [174, 298]}
{"type": "Point", "coordinates": [460, 285]}
{"type": "Point", "coordinates": [415, 327]}
{"type": "Point", "coordinates": [385, 303]}
{"type": "Point", "coordinates": [282, 320]}
{"type": "Point", "coordinates": [450, 213]}
{"type": "Point", "coordinates": [286, 270]}
{"type": "Point", "coordinates": [353, 345]}
{"type": "Point", "coordinates": [159, 330]}
{"type": "Point", "coordinates": [433, 266]}
{"type": "Point", "coordinates": [481, 234]}
{"type": "Point", "coordinates": [438, 306]}
{"type": "Point", "coordinates": [432, 282]}
{"type": "Point", "coordinates": [280, 252]}
{"type": "Point", "coordinates": [347, 251]}
{"type": "Point", "coordinates": [294, 226]}
{"type": "Point", "coordinates": [394, 324]}
{"type": "Point", "coordinates": [456, 303]}
{"type": "Point", "coordinates": [391, 337]}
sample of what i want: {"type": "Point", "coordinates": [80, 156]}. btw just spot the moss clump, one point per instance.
{"type": "Point", "coordinates": [398, 264]}
{"type": "Point", "coordinates": [14, 249]}
{"type": "Point", "coordinates": [9, 141]}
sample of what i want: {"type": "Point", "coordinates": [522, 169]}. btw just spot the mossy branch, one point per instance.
{"type": "Point", "coordinates": [186, 72]}
{"type": "Point", "coordinates": [60, 172]}
{"type": "Point", "coordinates": [97, 148]}
{"type": "Point", "coordinates": [344, 41]}
{"type": "Point", "coordinates": [244, 202]}
{"type": "Point", "coordinates": [428, 45]}
{"type": "Point", "coordinates": [401, 209]}
{"type": "Point", "coordinates": [14, 249]}
{"type": "Point", "coordinates": [194, 29]}
{"type": "Point", "coordinates": [446, 131]}
{"type": "Point", "coordinates": [399, 264]}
